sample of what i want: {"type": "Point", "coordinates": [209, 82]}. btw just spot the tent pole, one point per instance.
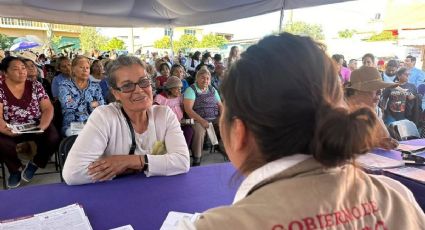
{"type": "Point", "coordinates": [282, 10]}
{"type": "Point", "coordinates": [171, 44]}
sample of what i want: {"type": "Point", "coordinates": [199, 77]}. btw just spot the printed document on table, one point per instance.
{"type": "Point", "coordinates": [409, 172]}
{"type": "Point", "coordinates": [375, 161]}
{"type": "Point", "coordinates": [411, 148]}
{"type": "Point", "coordinates": [173, 218]}
{"type": "Point", "coordinates": [67, 218]}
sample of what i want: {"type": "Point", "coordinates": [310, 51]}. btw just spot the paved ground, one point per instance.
{"type": "Point", "coordinates": [53, 176]}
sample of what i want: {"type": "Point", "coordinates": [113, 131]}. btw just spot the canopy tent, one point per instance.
{"type": "Point", "coordinates": [138, 13]}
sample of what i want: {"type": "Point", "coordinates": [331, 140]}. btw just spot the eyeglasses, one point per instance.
{"type": "Point", "coordinates": [131, 86]}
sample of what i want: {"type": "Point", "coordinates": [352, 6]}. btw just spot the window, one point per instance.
{"type": "Point", "coordinates": [190, 32]}
{"type": "Point", "coordinates": [168, 32]}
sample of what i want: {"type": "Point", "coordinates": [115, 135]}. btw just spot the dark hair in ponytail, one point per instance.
{"type": "Point", "coordinates": [340, 135]}
{"type": "Point", "coordinates": [304, 112]}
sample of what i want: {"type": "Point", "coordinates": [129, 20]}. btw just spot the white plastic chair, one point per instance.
{"type": "Point", "coordinates": [405, 130]}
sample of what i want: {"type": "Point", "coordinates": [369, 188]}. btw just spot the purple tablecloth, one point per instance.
{"type": "Point", "coordinates": [416, 187]}
{"type": "Point", "coordinates": [135, 200]}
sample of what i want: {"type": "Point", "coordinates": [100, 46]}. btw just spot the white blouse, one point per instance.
{"type": "Point", "coordinates": [107, 133]}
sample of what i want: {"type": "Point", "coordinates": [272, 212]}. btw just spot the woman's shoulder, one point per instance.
{"type": "Point", "coordinates": [109, 109]}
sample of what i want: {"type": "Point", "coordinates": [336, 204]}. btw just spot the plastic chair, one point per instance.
{"type": "Point", "coordinates": [64, 147]}
{"type": "Point", "coordinates": [404, 130]}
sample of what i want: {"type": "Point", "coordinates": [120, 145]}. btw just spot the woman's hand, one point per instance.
{"type": "Point", "coordinates": [388, 143]}
{"type": "Point", "coordinates": [94, 104]}
{"type": "Point", "coordinates": [204, 123]}
{"type": "Point", "coordinates": [108, 167]}
{"type": "Point", "coordinates": [7, 131]}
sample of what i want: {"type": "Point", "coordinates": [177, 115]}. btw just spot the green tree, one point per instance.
{"type": "Point", "coordinates": [212, 41]}
{"type": "Point", "coordinates": [346, 33]}
{"type": "Point", "coordinates": [91, 39]}
{"type": "Point", "coordinates": [383, 36]}
{"type": "Point", "coordinates": [315, 31]}
{"type": "Point", "coordinates": [186, 41]}
{"type": "Point", "coordinates": [163, 43]}
{"type": "Point", "coordinates": [5, 42]}
{"type": "Point", "coordinates": [114, 44]}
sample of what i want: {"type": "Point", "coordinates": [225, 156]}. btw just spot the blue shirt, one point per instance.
{"type": "Point", "coordinates": [185, 85]}
{"type": "Point", "coordinates": [76, 103]}
{"type": "Point", "coordinates": [416, 77]}
{"type": "Point", "coordinates": [105, 89]}
{"type": "Point", "coordinates": [388, 79]}
{"type": "Point", "coordinates": [56, 82]}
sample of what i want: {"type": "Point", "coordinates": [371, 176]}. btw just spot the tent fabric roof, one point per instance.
{"type": "Point", "coordinates": [126, 13]}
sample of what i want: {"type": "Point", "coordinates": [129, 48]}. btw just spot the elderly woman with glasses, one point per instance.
{"type": "Point", "coordinates": [129, 135]}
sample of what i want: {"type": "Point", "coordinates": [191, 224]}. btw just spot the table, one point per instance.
{"type": "Point", "coordinates": [135, 200]}
{"type": "Point", "coordinates": [416, 187]}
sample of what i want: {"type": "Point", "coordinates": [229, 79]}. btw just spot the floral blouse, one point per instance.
{"type": "Point", "coordinates": [26, 109]}
{"type": "Point", "coordinates": [76, 103]}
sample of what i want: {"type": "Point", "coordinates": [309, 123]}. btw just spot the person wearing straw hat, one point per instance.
{"type": "Point", "coordinates": [172, 97]}
{"type": "Point", "coordinates": [34, 73]}
{"type": "Point", "coordinates": [365, 88]}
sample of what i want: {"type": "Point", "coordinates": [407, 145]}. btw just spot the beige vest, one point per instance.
{"type": "Point", "coordinates": [306, 196]}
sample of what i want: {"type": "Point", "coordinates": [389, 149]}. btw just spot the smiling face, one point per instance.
{"type": "Point", "coordinates": [141, 98]}
{"type": "Point", "coordinates": [178, 72]}
{"type": "Point", "coordinates": [203, 80]}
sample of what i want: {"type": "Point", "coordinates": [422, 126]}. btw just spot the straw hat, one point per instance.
{"type": "Point", "coordinates": [28, 56]}
{"type": "Point", "coordinates": [368, 79]}
{"type": "Point", "coordinates": [173, 82]}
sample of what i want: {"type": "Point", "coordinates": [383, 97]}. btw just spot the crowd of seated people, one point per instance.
{"type": "Point", "coordinates": [400, 99]}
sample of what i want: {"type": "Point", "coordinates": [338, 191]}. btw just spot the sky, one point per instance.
{"type": "Point", "coordinates": [333, 18]}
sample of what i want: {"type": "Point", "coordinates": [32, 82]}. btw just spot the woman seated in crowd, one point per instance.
{"type": "Point", "coordinates": [164, 70]}
{"type": "Point", "coordinates": [364, 89]}
{"type": "Point", "coordinates": [97, 71]}
{"type": "Point", "coordinates": [63, 65]}
{"type": "Point", "coordinates": [23, 101]}
{"type": "Point", "coordinates": [178, 71]}
{"type": "Point", "coordinates": [35, 74]}
{"type": "Point", "coordinates": [172, 98]}
{"type": "Point", "coordinates": [397, 99]}
{"type": "Point", "coordinates": [130, 135]}
{"type": "Point", "coordinates": [78, 96]}
{"type": "Point", "coordinates": [297, 154]}
{"type": "Point", "coordinates": [203, 104]}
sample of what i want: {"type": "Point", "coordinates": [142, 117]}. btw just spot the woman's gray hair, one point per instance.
{"type": "Point", "coordinates": [121, 61]}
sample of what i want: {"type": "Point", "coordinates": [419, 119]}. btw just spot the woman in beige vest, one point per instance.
{"type": "Point", "coordinates": [289, 132]}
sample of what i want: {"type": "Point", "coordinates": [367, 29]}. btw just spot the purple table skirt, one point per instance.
{"type": "Point", "coordinates": [417, 188]}
{"type": "Point", "coordinates": [135, 200]}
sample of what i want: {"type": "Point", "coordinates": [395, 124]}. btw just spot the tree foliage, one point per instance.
{"type": "Point", "coordinates": [163, 43]}
{"type": "Point", "coordinates": [114, 44]}
{"type": "Point", "coordinates": [383, 36]}
{"type": "Point", "coordinates": [212, 41]}
{"type": "Point", "coordinates": [91, 39]}
{"type": "Point", "coordinates": [315, 31]}
{"type": "Point", "coordinates": [346, 33]}
{"type": "Point", "coordinates": [188, 41]}
{"type": "Point", "coordinates": [5, 42]}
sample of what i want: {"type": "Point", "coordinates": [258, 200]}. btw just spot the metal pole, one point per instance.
{"type": "Point", "coordinates": [171, 44]}
{"type": "Point", "coordinates": [281, 16]}
{"type": "Point", "coordinates": [132, 41]}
